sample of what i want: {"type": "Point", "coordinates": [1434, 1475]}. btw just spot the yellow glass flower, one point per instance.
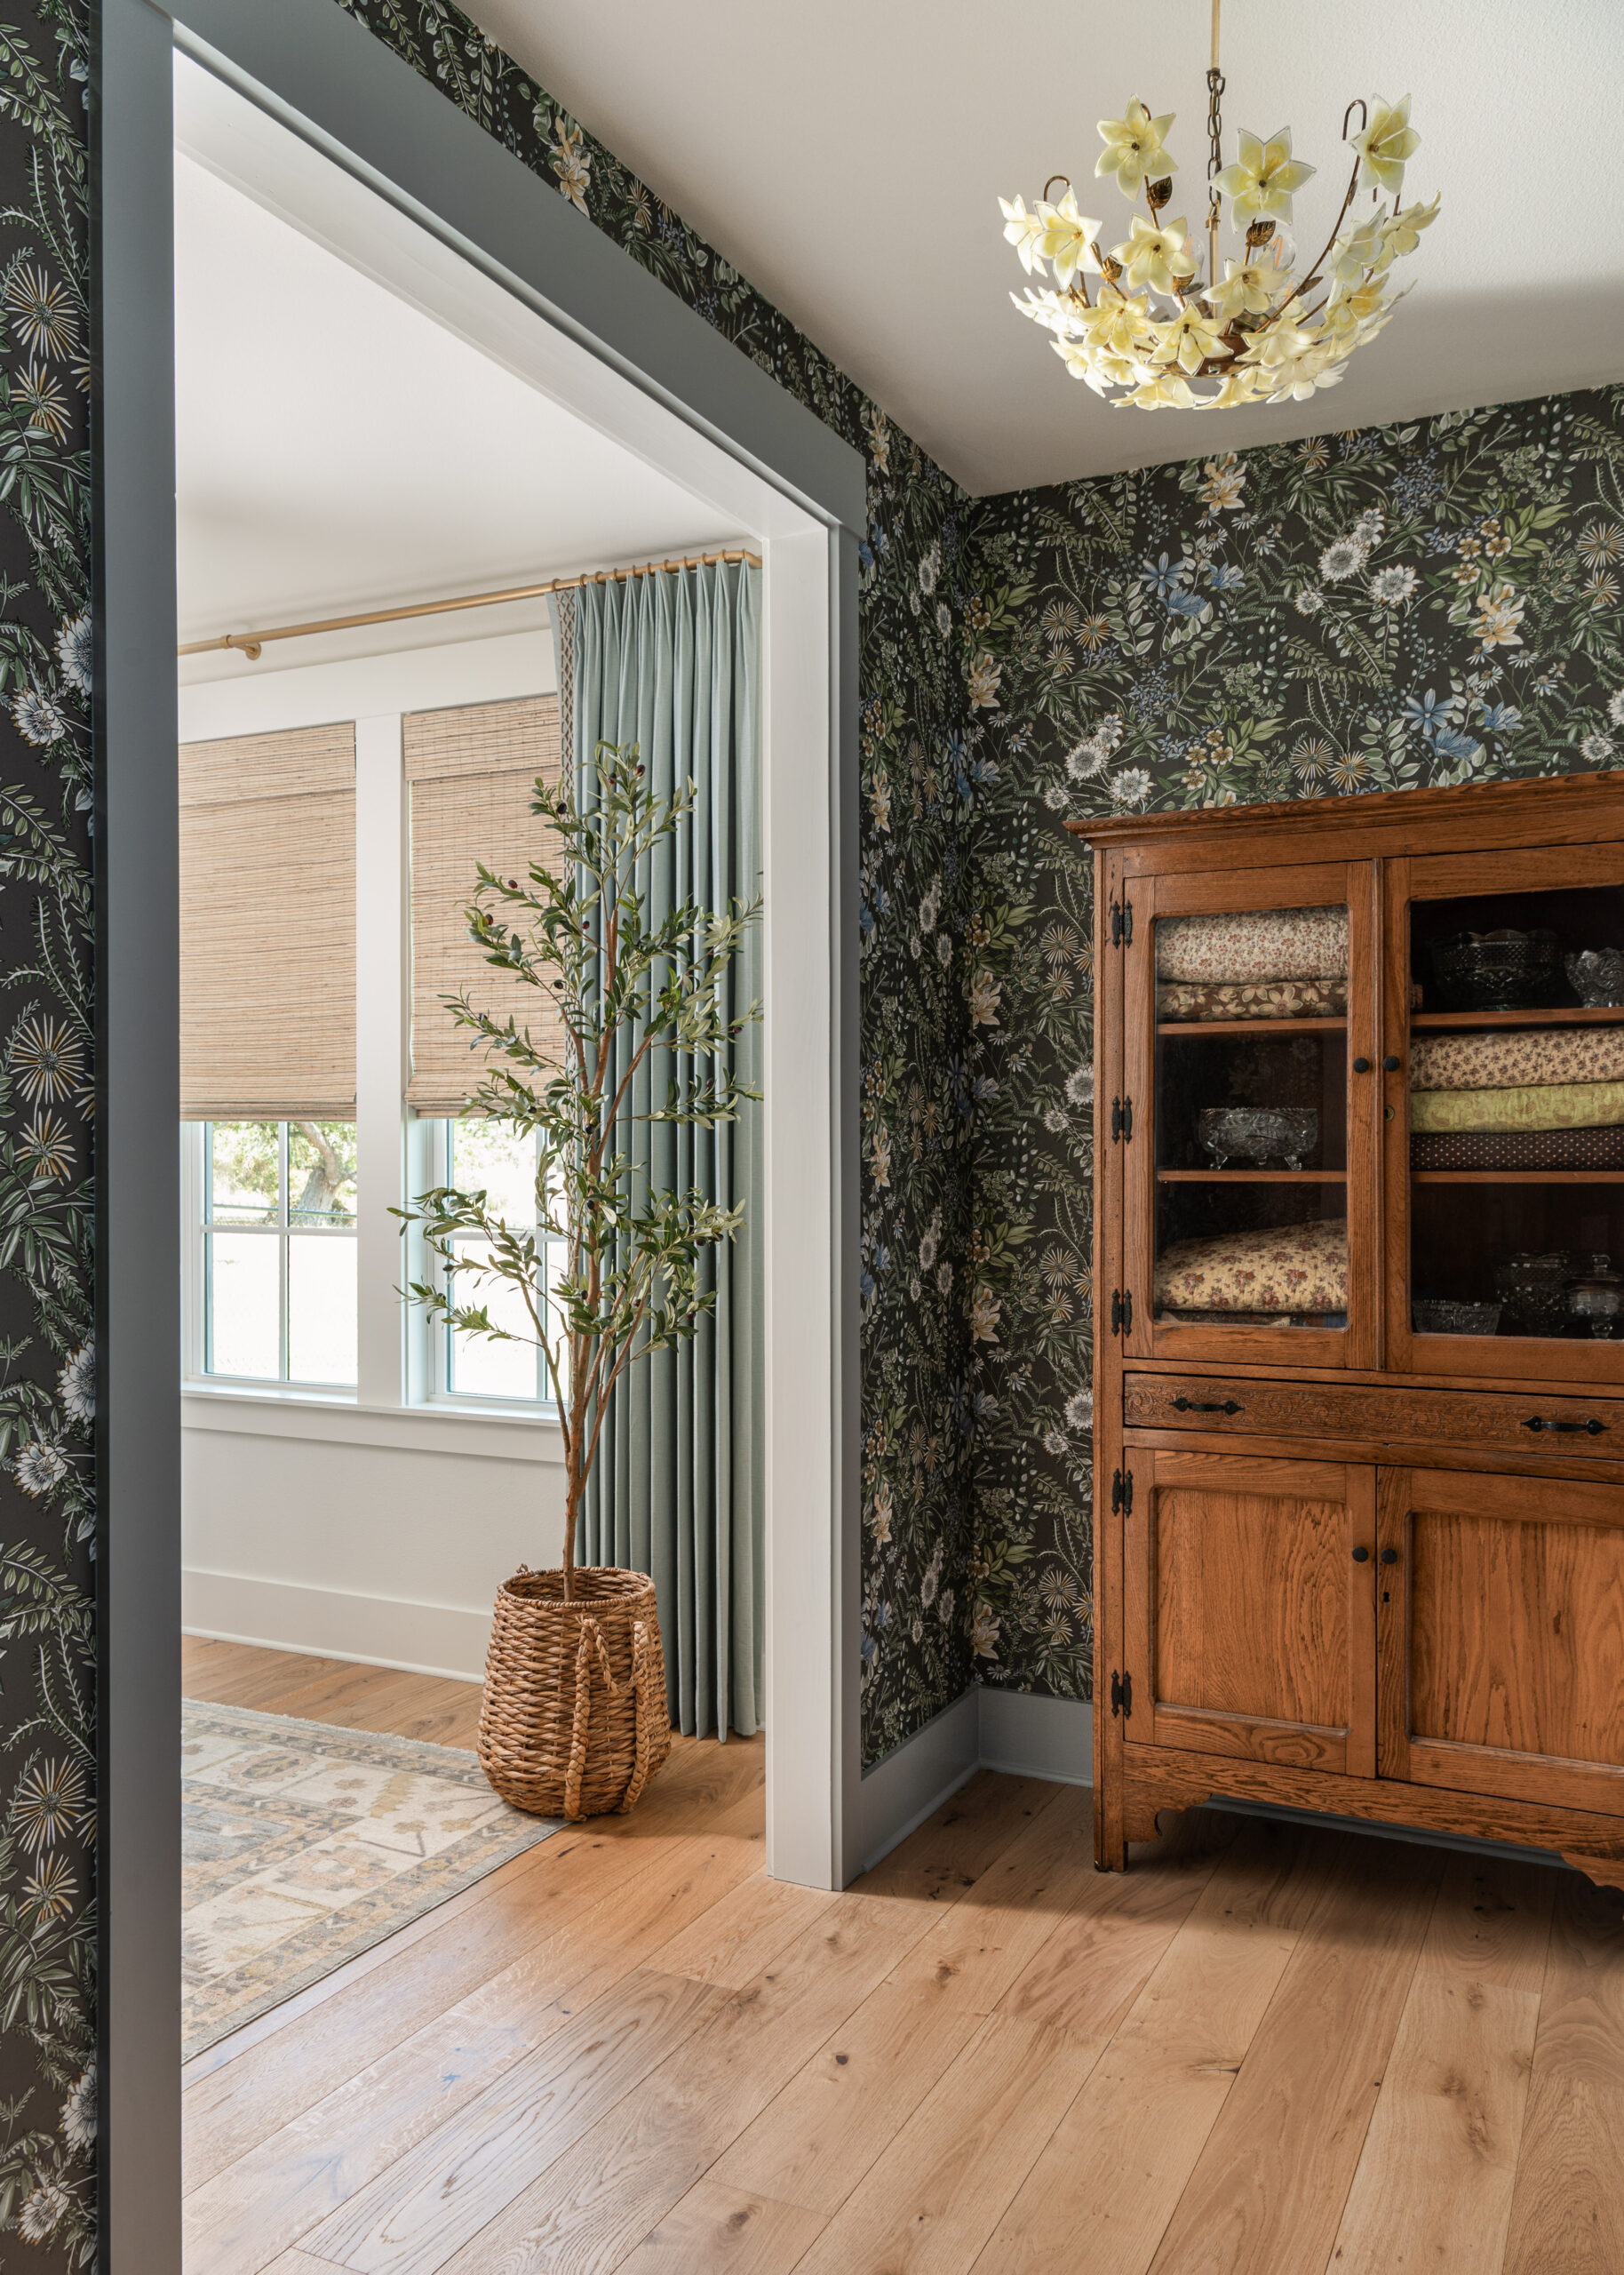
{"type": "Point", "coordinates": [1133, 148]}
{"type": "Point", "coordinates": [1067, 238]}
{"type": "Point", "coordinates": [1022, 229]}
{"type": "Point", "coordinates": [1166, 390]}
{"type": "Point", "coordinates": [1365, 247]}
{"type": "Point", "coordinates": [1237, 385]}
{"type": "Point", "coordinates": [1188, 341]}
{"type": "Point", "coordinates": [1248, 288]}
{"type": "Point", "coordinates": [1264, 177]}
{"type": "Point", "coordinates": [1121, 327]}
{"type": "Point", "coordinates": [1402, 232]}
{"type": "Point", "coordinates": [1158, 256]}
{"type": "Point", "coordinates": [1387, 141]}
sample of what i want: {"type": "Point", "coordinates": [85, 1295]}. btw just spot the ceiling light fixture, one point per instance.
{"type": "Point", "coordinates": [1151, 324]}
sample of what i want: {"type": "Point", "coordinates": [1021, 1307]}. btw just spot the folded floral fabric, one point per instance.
{"type": "Point", "coordinates": [1256, 944]}
{"type": "Point", "coordinates": [1499, 1059]}
{"type": "Point", "coordinates": [1285, 1267]}
{"type": "Point", "coordinates": [1533, 1105]}
{"type": "Point", "coordinates": [1518, 1149]}
{"type": "Point", "coordinates": [1251, 999]}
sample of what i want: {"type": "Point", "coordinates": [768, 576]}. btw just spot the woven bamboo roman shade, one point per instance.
{"type": "Point", "coordinates": [267, 927]}
{"type": "Point", "coordinates": [471, 772]}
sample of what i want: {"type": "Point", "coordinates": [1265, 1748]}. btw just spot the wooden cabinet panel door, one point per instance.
{"type": "Point", "coordinates": [1501, 1636]}
{"type": "Point", "coordinates": [1250, 1614]}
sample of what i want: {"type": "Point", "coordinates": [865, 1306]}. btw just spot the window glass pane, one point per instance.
{"type": "Point", "coordinates": [480, 1368]}
{"type": "Point", "coordinates": [321, 1307]}
{"type": "Point", "coordinates": [321, 1172]}
{"type": "Point", "coordinates": [498, 1159]}
{"type": "Point", "coordinates": [1251, 1118]}
{"type": "Point", "coordinates": [245, 1303]}
{"type": "Point", "coordinates": [1517, 1114]}
{"type": "Point", "coordinates": [243, 1168]}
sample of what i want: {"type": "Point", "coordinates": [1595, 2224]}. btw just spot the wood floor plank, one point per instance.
{"type": "Point", "coordinates": [290, 2180]}
{"type": "Point", "coordinates": [721, 2229]}
{"type": "Point", "coordinates": [467, 1942]}
{"type": "Point", "coordinates": [1268, 2187]}
{"type": "Point", "coordinates": [1099, 2199]}
{"type": "Point", "coordinates": [744, 1933]}
{"type": "Point", "coordinates": [1567, 2207]}
{"type": "Point", "coordinates": [929, 2202]}
{"type": "Point", "coordinates": [816, 2138]}
{"type": "Point", "coordinates": [626, 2175]}
{"type": "Point", "coordinates": [413, 2218]}
{"type": "Point", "coordinates": [1085, 1976]}
{"type": "Point", "coordinates": [951, 1850]}
{"type": "Point", "coordinates": [1434, 2185]}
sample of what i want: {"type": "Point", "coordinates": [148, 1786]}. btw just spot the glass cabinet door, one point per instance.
{"type": "Point", "coordinates": [1506, 1152]}
{"type": "Point", "coordinates": [1249, 1162]}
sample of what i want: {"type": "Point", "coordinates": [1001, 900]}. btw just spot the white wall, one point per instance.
{"type": "Point", "coordinates": [360, 1534]}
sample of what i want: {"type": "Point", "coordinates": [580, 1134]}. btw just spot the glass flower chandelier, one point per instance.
{"type": "Point", "coordinates": [1262, 332]}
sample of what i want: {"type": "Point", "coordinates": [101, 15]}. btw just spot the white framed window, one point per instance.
{"type": "Point", "coordinates": [497, 1159]}
{"type": "Point", "coordinates": [271, 1211]}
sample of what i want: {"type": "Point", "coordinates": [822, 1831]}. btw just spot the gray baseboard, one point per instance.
{"type": "Point", "coordinates": [1015, 1731]}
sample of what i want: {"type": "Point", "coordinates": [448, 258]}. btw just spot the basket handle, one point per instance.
{"type": "Point", "coordinates": [641, 1717]}
{"type": "Point", "coordinates": [591, 1645]}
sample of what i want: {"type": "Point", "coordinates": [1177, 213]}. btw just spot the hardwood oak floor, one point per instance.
{"type": "Point", "coordinates": [1263, 2050]}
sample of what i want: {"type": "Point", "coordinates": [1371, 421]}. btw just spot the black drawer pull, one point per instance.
{"type": "Point", "coordinates": [1361, 1065]}
{"type": "Point", "coordinates": [1391, 1063]}
{"type": "Point", "coordinates": [1205, 1406]}
{"type": "Point", "coordinates": [1390, 1556]}
{"type": "Point", "coordinates": [1591, 1427]}
{"type": "Point", "coordinates": [1361, 1556]}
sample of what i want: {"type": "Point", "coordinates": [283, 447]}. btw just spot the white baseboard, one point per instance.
{"type": "Point", "coordinates": [913, 1781]}
{"type": "Point", "coordinates": [328, 1623]}
{"type": "Point", "coordinates": [1031, 1737]}
{"type": "Point", "coordinates": [1014, 1731]}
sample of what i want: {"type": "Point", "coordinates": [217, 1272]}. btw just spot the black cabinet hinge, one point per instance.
{"type": "Point", "coordinates": [1122, 1312]}
{"type": "Point", "coordinates": [1121, 923]}
{"type": "Point", "coordinates": [1122, 1491]}
{"type": "Point", "coordinates": [1122, 1695]}
{"type": "Point", "coordinates": [1122, 1121]}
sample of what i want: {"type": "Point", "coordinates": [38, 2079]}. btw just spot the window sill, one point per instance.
{"type": "Point", "coordinates": [317, 1417]}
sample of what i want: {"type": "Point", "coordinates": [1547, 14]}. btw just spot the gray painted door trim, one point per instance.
{"type": "Point", "coordinates": [308, 61]}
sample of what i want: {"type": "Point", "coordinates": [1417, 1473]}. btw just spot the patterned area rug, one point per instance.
{"type": "Point", "coordinates": [304, 1845]}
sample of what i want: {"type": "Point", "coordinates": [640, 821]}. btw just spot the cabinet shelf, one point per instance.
{"type": "Point", "coordinates": [1574, 1014]}
{"type": "Point", "coordinates": [1516, 1177]}
{"type": "Point", "coordinates": [1256, 1177]}
{"type": "Point", "coordinates": [1171, 1028]}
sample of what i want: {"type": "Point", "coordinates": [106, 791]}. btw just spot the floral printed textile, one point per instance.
{"type": "Point", "coordinates": [1494, 1059]}
{"type": "Point", "coordinates": [1257, 999]}
{"type": "Point", "coordinates": [1518, 1149]}
{"type": "Point", "coordinates": [1256, 945]}
{"type": "Point", "coordinates": [1533, 1105]}
{"type": "Point", "coordinates": [1289, 1268]}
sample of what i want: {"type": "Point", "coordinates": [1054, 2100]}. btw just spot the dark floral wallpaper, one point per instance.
{"type": "Point", "coordinates": [47, 1367]}
{"type": "Point", "coordinates": [925, 777]}
{"type": "Point", "coordinates": [1435, 603]}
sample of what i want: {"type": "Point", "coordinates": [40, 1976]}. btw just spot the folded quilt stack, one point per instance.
{"type": "Point", "coordinates": [1291, 1268]}
{"type": "Point", "coordinates": [1540, 1097]}
{"type": "Point", "coordinates": [1255, 946]}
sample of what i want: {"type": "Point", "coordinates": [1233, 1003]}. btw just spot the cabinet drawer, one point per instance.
{"type": "Point", "coordinates": [1498, 1419]}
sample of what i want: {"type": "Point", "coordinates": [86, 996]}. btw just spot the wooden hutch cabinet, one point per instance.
{"type": "Point", "coordinates": [1359, 1301]}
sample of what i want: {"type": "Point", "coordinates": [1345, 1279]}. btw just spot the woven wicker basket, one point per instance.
{"type": "Point", "coordinates": [574, 1721]}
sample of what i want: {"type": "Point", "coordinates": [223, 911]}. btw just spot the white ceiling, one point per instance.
{"type": "Point", "coordinates": [339, 450]}
{"type": "Point", "coordinates": [847, 158]}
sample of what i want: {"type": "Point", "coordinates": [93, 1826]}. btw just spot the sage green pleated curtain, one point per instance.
{"type": "Point", "coordinates": [671, 661]}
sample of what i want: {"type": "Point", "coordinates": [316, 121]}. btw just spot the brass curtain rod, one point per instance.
{"type": "Point", "coordinates": [250, 644]}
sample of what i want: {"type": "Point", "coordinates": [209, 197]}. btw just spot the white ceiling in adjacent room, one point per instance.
{"type": "Point", "coordinates": [848, 158]}
{"type": "Point", "coordinates": [339, 450]}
